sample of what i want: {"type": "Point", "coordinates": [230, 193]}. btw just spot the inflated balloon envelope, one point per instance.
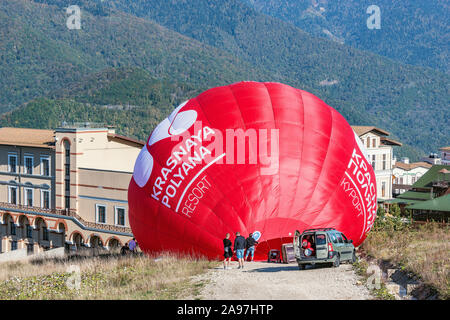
{"type": "Point", "coordinates": [261, 158]}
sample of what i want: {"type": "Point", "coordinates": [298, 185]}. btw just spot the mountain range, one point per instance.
{"type": "Point", "coordinates": [133, 61]}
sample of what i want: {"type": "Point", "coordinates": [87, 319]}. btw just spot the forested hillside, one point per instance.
{"type": "Point", "coordinates": [411, 102]}
{"type": "Point", "coordinates": [132, 61]}
{"type": "Point", "coordinates": [414, 32]}
{"type": "Point", "coordinates": [39, 54]}
{"type": "Point", "coordinates": [129, 99]}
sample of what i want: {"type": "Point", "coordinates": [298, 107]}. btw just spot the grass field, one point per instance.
{"type": "Point", "coordinates": [423, 250]}
{"type": "Point", "coordinates": [105, 276]}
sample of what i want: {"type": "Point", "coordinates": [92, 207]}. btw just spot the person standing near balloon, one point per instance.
{"type": "Point", "coordinates": [228, 253]}
{"type": "Point", "coordinates": [239, 247]}
{"type": "Point", "coordinates": [132, 245]}
{"type": "Point", "coordinates": [250, 243]}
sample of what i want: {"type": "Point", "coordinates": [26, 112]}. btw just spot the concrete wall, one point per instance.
{"type": "Point", "coordinates": [22, 255]}
{"type": "Point", "coordinates": [16, 255]}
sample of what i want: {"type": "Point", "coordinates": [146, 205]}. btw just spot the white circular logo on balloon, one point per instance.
{"type": "Point", "coordinates": [256, 235]}
{"type": "Point", "coordinates": [176, 123]}
{"type": "Point", "coordinates": [143, 167]}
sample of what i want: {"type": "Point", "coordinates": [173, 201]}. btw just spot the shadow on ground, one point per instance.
{"type": "Point", "coordinates": [284, 267]}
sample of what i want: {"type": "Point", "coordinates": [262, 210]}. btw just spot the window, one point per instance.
{"type": "Point", "coordinates": [13, 245]}
{"type": "Point", "coordinates": [383, 189]}
{"type": "Point", "coordinates": [333, 237]}
{"type": "Point", "coordinates": [384, 162]}
{"type": "Point", "coordinates": [29, 231]}
{"type": "Point", "coordinates": [12, 228]}
{"type": "Point", "coordinates": [401, 180]}
{"type": "Point", "coordinates": [28, 197]}
{"type": "Point", "coordinates": [339, 238]}
{"type": "Point", "coordinates": [374, 143]}
{"type": "Point", "coordinates": [413, 180]}
{"type": "Point", "coordinates": [368, 142]}
{"type": "Point", "coordinates": [28, 160]}
{"type": "Point", "coordinates": [373, 161]}
{"type": "Point", "coordinates": [67, 184]}
{"type": "Point", "coordinates": [67, 169]}
{"type": "Point", "coordinates": [67, 202]}
{"type": "Point", "coordinates": [44, 233]}
{"type": "Point", "coordinates": [45, 166]}
{"type": "Point", "coordinates": [120, 216]}
{"type": "Point", "coordinates": [12, 195]}
{"type": "Point", "coordinates": [321, 239]}
{"type": "Point", "coordinates": [12, 163]}
{"type": "Point", "coordinates": [45, 199]}
{"type": "Point", "coordinates": [100, 213]}
{"type": "Point", "coordinates": [67, 149]}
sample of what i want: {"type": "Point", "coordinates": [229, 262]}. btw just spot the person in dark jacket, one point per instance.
{"type": "Point", "coordinates": [239, 247]}
{"type": "Point", "coordinates": [228, 253]}
{"type": "Point", "coordinates": [125, 250]}
{"type": "Point", "coordinates": [250, 244]}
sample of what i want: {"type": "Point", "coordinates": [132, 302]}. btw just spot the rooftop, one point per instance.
{"type": "Point", "coordinates": [433, 174]}
{"type": "Point", "coordinates": [126, 139]}
{"type": "Point", "coordinates": [436, 178]}
{"type": "Point", "coordinates": [27, 137]}
{"type": "Point", "coordinates": [362, 130]}
{"type": "Point", "coordinates": [40, 138]}
{"type": "Point", "coordinates": [437, 204]}
{"type": "Point", "coordinates": [410, 166]}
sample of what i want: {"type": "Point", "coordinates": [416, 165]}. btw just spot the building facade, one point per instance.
{"type": "Point", "coordinates": [64, 187]}
{"type": "Point", "coordinates": [445, 155]}
{"type": "Point", "coordinates": [429, 197]}
{"type": "Point", "coordinates": [406, 174]}
{"type": "Point", "coordinates": [433, 159]}
{"type": "Point", "coordinates": [380, 153]}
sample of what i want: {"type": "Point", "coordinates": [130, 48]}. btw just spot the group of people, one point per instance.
{"type": "Point", "coordinates": [240, 246]}
{"type": "Point", "coordinates": [130, 247]}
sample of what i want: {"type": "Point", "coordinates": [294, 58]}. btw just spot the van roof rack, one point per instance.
{"type": "Point", "coordinates": [318, 229]}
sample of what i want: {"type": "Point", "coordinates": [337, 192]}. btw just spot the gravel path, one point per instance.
{"type": "Point", "coordinates": [267, 281]}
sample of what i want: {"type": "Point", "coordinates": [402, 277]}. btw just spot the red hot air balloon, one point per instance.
{"type": "Point", "coordinates": [261, 158]}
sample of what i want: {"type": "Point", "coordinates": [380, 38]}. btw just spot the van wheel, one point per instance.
{"type": "Point", "coordinates": [337, 262]}
{"type": "Point", "coordinates": [354, 257]}
{"type": "Point", "coordinates": [301, 266]}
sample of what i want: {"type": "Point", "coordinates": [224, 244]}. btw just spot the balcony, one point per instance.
{"type": "Point", "coordinates": [63, 212]}
{"type": "Point", "coordinates": [444, 184]}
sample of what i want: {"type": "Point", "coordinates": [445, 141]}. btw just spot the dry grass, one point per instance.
{"type": "Point", "coordinates": [424, 251]}
{"type": "Point", "coordinates": [103, 277]}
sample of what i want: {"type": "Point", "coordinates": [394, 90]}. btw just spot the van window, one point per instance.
{"type": "Point", "coordinates": [344, 237]}
{"type": "Point", "coordinates": [333, 237]}
{"type": "Point", "coordinates": [339, 238]}
{"type": "Point", "coordinates": [321, 239]}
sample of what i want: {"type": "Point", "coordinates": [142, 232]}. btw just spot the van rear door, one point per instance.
{"type": "Point", "coordinates": [297, 243]}
{"type": "Point", "coordinates": [321, 245]}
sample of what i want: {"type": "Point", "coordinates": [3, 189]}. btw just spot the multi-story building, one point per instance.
{"type": "Point", "coordinates": [64, 187]}
{"type": "Point", "coordinates": [445, 155]}
{"type": "Point", "coordinates": [380, 153]}
{"type": "Point", "coordinates": [429, 197]}
{"type": "Point", "coordinates": [406, 174]}
{"type": "Point", "coordinates": [433, 159]}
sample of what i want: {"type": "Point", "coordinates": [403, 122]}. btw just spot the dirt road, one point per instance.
{"type": "Point", "coordinates": [266, 281]}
